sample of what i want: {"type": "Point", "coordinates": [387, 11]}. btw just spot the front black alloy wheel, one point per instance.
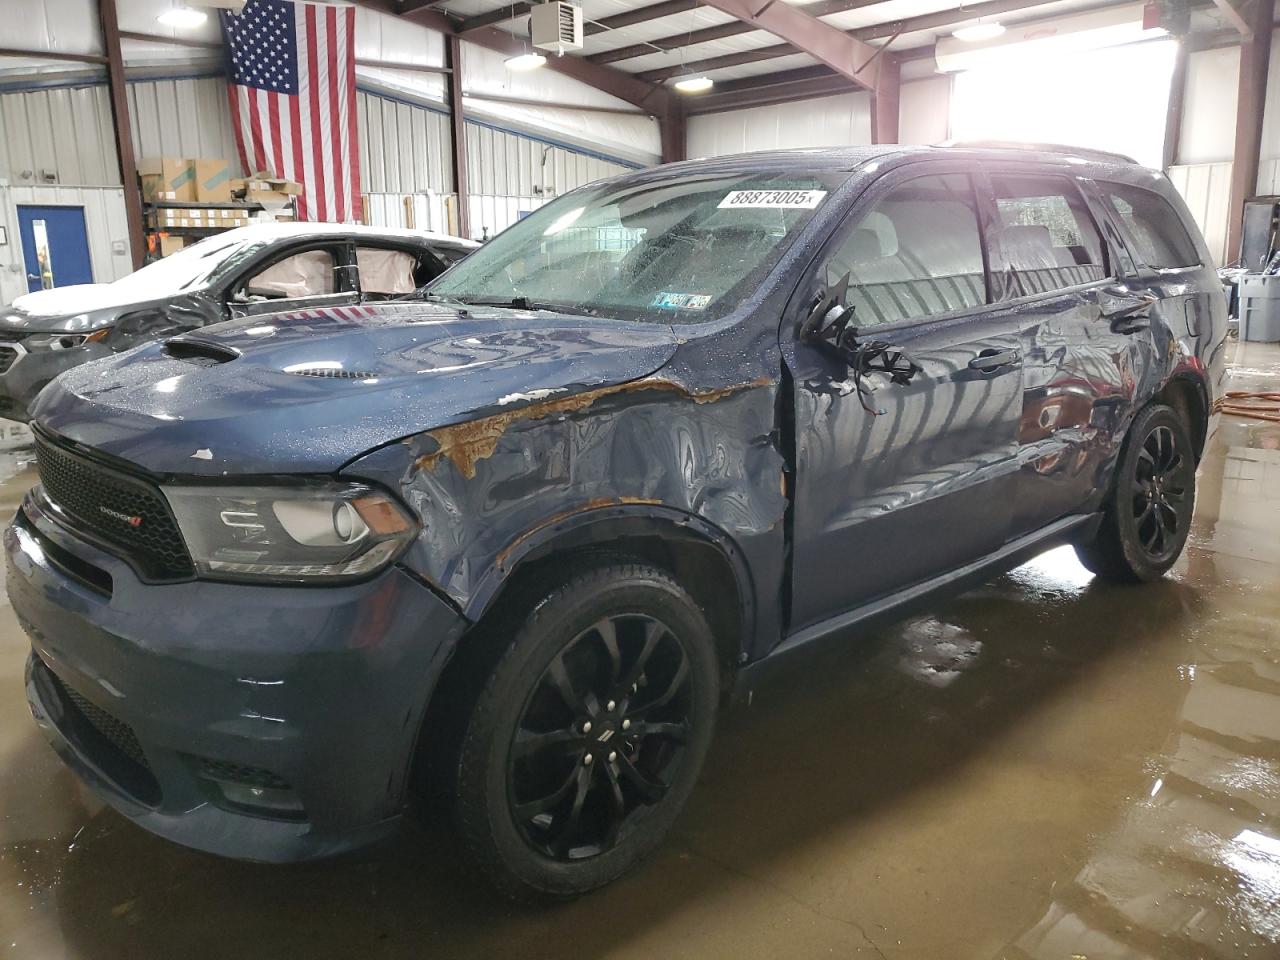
{"type": "Point", "coordinates": [601, 732]}
{"type": "Point", "coordinates": [1148, 516]}
{"type": "Point", "coordinates": [587, 738]}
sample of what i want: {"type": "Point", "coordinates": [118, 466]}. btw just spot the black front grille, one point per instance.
{"type": "Point", "coordinates": [127, 513]}
{"type": "Point", "coordinates": [8, 355]}
{"type": "Point", "coordinates": [109, 743]}
{"type": "Point", "coordinates": [116, 732]}
{"type": "Point", "coordinates": [237, 773]}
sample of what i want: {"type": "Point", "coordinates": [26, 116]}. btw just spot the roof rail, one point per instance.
{"type": "Point", "coordinates": [1044, 147]}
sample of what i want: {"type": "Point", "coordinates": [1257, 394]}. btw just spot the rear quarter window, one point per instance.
{"type": "Point", "coordinates": [1162, 239]}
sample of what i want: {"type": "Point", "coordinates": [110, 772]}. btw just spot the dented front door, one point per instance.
{"type": "Point", "coordinates": [897, 483]}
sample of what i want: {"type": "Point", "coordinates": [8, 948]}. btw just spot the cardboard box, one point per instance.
{"type": "Point", "coordinates": [170, 245]}
{"type": "Point", "coordinates": [213, 181]}
{"type": "Point", "coordinates": [167, 178]}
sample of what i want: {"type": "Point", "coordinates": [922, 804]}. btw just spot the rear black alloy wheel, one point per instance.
{"type": "Point", "coordinates": [1160, 489]}
{"type": "Point", "coordinates": [1148, 516]}
{"type": "Point", "coordinates": [587, 737]}
{"type": "Point", "coordinates": [599, 736]}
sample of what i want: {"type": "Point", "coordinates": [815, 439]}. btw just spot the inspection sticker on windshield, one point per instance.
{"type": "Point", "coordinates": [772, 199]}
{"type": "Point", "coordinates": [681, 301]}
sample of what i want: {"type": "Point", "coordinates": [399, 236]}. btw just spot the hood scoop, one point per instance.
{"type": "Point", "coordinates": [330, 373]}
{"type": "Point", "coordinates": [198, 352]}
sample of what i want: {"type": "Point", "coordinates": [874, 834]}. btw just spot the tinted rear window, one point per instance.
{"type": "Point", "coordinates": [1154, 226]}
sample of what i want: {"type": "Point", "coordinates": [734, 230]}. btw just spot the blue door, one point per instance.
{"type": "Point", "coordinates": [55, 246]}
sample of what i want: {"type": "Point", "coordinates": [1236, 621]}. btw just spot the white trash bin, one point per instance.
{"type": "Point", "coordinates": [1259, 307]}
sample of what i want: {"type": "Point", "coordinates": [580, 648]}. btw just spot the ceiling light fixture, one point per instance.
{"type": "Point", "coordinates": [694, 84]}
{"type": "Point", "coordinates": [182, 18]}
{"type": "Point", "coordinates": [525, 61]}
{"type": "Point", "coordinates": [979, 31]}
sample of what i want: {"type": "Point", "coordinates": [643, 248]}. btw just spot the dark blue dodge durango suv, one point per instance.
{"type": "Point", "coordinates": [507, 548]}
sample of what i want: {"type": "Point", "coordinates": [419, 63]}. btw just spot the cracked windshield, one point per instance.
{"type": "Point", "coordinates": [677, 249]}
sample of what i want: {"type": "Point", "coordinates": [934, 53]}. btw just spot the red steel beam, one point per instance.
{"type": "Point", "coordinates": [54, 55]}
{"type": "Point", "coordinates": [717, 63]}
{"type": "Point", "coordinates": [879, 31]}
{"type": "Point", "coordinates": [627, 18]}
{"type": "Point", "coordinates": [766, 94]}
{"type": "Point", "coordinates": [1255, 54]}
{"type": "Point", "coordinates": [845, 54]}
{"type": "Point", "coordinates": [110, 23]}
{"type": "Point", "coordinates": [735, 28]}
{"type": "Point", "coordinates": [617, 83]}
{"type": "Point", "coordinates": [1237, 14]}
{"type": "Point", "coordinates": [458, 133]}
{"type": "Point", "coordinates": [885, 102]}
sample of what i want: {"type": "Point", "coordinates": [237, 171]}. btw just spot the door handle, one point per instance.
{"type": "Point", "coordinates": [989, 360]}
{"type": "Point", "coordinates": [34, 276]}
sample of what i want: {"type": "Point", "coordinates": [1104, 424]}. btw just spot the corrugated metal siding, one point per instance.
{"type": "Point", "coordinates": [404, 148]}
{"type": "Point", "coordinates": [394, 210]}
{"type": "Point", "coordinates": [1268, 177]}
{"type": "Point", "coordinates": [69, 133]}
{"type": "Point", "coordinates": [65, 133]}
{"type": "Point", "coordinates": [183, 118]}
{"type": "Point", "coordinates": [501, 164]}
{"type": "Point", "coordinates": [491, 215]}
{"type": "Point", "coordinates": [1206, 187]}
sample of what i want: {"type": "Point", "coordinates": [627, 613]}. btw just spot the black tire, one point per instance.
{"type": "Point", "coordinates": [1147, 516]}
{"type": "Point", "coordinates": [620, 633]}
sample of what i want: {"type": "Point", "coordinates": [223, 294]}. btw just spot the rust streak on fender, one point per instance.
{"type": "Point", "coordinates": [465, 444]}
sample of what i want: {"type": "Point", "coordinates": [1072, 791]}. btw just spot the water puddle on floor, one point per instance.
{"type": "Point", "coordinates": [1046, 768]}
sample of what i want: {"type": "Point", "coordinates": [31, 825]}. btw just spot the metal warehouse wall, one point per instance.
{"type": "Point", "coordinates": [182, 118]}
{"type": "Point", "coordinates": [65, 135]}
{"type": "Point", "coordinates": [842, 120]}
{"type": "Point", "coordinates": [510, 165]}
{"type": "Point", "coordinates": [61, 135]}
{"type": "Point", "coordinates": [404, 148]}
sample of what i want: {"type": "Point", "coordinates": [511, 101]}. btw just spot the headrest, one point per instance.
{"type": "Point", "coordinates": [864, 245]}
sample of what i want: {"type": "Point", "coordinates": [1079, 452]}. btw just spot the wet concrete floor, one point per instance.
{"type": "Point", "coordinates": [1048, 767]}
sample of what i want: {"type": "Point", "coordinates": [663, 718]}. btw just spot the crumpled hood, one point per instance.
{"type": "Point", "coordinates": [307, 392]}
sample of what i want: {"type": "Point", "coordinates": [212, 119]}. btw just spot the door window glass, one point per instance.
{"type": "Point", "coordinates": [44, 254]}
{"type": "Point", "coordinates": [306, 274]}
{"type": "Point", "coordinates": [1046, 236]}
{"type": "Point", "coordinates": [1154, 226]}
{"type": "Point", "coordinates": [916, 253]}
{"type": "Point", "coordinates": [385, 272]}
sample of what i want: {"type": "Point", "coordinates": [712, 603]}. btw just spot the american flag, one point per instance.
{"type": "Point", "coordinates": [292, 81]}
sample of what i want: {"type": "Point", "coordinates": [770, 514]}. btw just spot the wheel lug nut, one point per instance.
{"type": "Point", "coordinates": [588, 759]}
{"type": "Point", "coordinates": [626, 724]}
{"type": "Point", "coordinates": [610, 705]}
{"type": "Point", "coordinates": [613, 756]}
{"type": "Point", "coordinates": [586, 726]}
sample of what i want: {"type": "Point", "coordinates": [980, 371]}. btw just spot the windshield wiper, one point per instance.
{"type": "Point", "coordinates": [523, 303]}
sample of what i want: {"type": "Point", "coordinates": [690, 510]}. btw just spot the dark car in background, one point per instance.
{"type": "Point", "coordinates": [508, 547]}
{"type": "Point", "coordinates": [247, 271]}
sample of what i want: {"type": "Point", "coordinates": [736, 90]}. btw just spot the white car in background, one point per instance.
{"type": "Point", "coordinates": [259, 269]}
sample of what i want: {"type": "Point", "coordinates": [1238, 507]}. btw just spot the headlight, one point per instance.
{"type": "Point", "coordinates": [303, 533]}
{"type": "Point", "coordinates": [65, 341]}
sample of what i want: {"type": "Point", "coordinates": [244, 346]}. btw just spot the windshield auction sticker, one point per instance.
{"type": "Point", "coordinates": [772, 199]}
{"type": "Point", "coordinates": [682, 301]}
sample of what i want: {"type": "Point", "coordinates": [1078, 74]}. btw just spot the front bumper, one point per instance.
{"type": "Point", "coordinates": [145, 689]}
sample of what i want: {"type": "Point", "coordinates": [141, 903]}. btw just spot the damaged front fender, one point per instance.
{"type": "Point", "coordinates": [651, 454]}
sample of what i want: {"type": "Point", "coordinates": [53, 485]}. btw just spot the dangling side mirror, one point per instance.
{"type": "Point", "coordinates": [827, 323]}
